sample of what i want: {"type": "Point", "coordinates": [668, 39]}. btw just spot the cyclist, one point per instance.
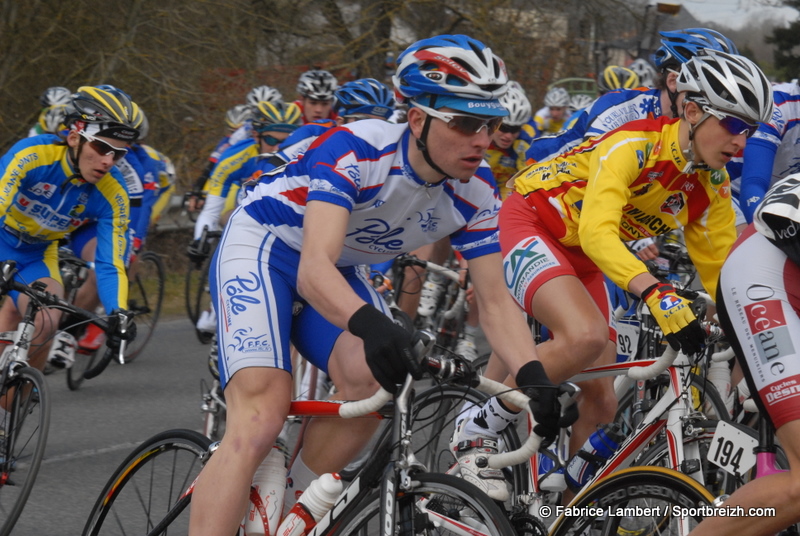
{"type": "Point", "coordinates": [550, 119]}
{"type": "Point", "coordinates": [361, 193]}
{"type": "Point", "coordinates": [758, 303]}
{"type": "Point", "coordinates": [52, 186]}
{"type": "Point", "coordinates": [316, 90]}
{"type": "Point", "coordinates": [270, 124]}
{"type": "Point", "coordinates": [235, 118]}
{"type": "Point", "coordinates": [772, 153]}
{"type": "Point", "coordinates": [564, 226]}
{"type": "Point", "coordinates": [615, 77]}
{"type": "Point", "coordinates": [618, 107]}
{"type": "Point", "coordinates": [55, 96]}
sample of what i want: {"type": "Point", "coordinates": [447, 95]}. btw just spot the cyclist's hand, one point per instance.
{"type": "Point", "coordinates": [197, 252]}
{"type": "Point", "coordinates": [388, 347]}
{"type": "Point", "coordinates": [545, 401]}
{"type": "Point", "coordinates": [675, 318]}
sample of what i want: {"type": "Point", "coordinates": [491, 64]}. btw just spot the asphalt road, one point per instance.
{"type": "Point", "coordinates": [93, 430]}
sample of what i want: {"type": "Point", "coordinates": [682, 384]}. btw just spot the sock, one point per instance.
{"type": "Point", "coordinates": [490, 421]}
{"type": "Point", "coordinates": [299, 478]}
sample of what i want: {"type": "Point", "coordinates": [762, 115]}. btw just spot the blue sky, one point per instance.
{"type": "Point", "coordinates": [735, 13]}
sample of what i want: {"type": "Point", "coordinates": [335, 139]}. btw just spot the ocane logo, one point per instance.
{"type": "Point", "coordinates": [765, 315]}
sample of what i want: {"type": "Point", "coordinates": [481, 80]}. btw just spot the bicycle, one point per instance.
{"type": "Point", "coordinates": [391, 490]}
{"type": "Point", "coordinates": [146, 280]}
{"type": "Point", "coordinates": [196, 289]}
{"type": "Point", "coordinates": [24, 397]}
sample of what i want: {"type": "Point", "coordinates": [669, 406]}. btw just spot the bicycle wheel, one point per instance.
{"type": "Point", "coordinates": [190, 286]}
{"type": "Point", "coordinates": [22, 447]}
{"type": "Point", "coordinates": [148, 484]}
{"type": "Point", "coordinates": [636, 502]}
{"type": "Point", "coordinates": [145, 294]}
{"type": "Point", "coordinates": [83, 362]}
{"type": "Point", "coordinates": [438, 505]}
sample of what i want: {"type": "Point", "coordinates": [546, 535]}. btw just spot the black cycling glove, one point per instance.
{"type": "Point", "coordinates": [545, 404]}
{"type": "Point", "coordinates": [198, 252]}
{"type": "Point", "coordinates": [388, 347]}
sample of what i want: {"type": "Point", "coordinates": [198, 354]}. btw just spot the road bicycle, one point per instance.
{"type": "Point", "coordinates": [196, 290]}
{"type": "Point", "coordinates": [146, 279]}
{"type": "Point", "coordinates": [24, 398]}
{"type": "Point", "coordinates": [392, 494]}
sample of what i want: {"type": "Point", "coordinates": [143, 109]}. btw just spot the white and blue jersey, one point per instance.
{"type": "Point", "coordinates": [607, 113]}
{"type": "Point", "coordinates": [771, 154]}
{"type": "Point", "coordinates": [363, 167]}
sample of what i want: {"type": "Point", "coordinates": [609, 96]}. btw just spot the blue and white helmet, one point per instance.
{"type": "Point", "coordinates": [364, 96]}
{"type": "Point", "coordinates": [680, 46]}
{"type": "Point", "coordinates": [454, 71]}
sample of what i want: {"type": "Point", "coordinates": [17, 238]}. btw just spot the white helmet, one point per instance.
{"type": "Point", "coordinates": [518, 106]}
{"type": "Point", "coordinates": [236, 116]}
{"type": "Point", "coordinates": [557, 97]}
{"type": "Point", "coordinates": [317, 84]}
{"type": "Point", "coordinates": [580, 101]}
{"type": "Point", "coordinates": [645, 71]}
{"type": "Point", "coordinates": [263, 94]}
{"type": "Point", "coordinates": [727, 83]}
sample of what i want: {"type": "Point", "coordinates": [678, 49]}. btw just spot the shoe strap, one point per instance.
{"type": "Point", "coordinates": [480, 442]}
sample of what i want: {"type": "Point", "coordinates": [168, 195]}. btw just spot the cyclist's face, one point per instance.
{"type": "Point", "coordinates": [270, 140]}
{"type": "Point", "coordinates": [557, 113]}
{"type": "Point", "coordinates": [504, 140]}
{"type": "Point", "coordinates": [713, 143]}
{"type": "Point", "coordinates": [457, 154]}
{"type": "Point", "coordinates": [92, 165]}
{"type": "Point", "coordinates": [314, 109]}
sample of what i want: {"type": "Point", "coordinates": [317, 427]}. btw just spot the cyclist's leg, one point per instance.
{"type": "Point", "coordinates": [36, 263]}
{"type": "Point", "coordinates": [348, 369]}
{"type": "Point", "coordinates": [757, 306]}
{"type": "Point", "coordinates": [252, 273]}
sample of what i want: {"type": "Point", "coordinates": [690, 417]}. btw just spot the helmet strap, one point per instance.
{"type": "Point", "coordinates": [689, 152]}
{"type": "Point", "coordinates": [74, 159]}
{"type": "Point", "coordinates": [422, 144]}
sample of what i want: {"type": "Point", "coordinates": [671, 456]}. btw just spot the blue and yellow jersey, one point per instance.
{"type": "Point", "coordinates": [545, 124]}
{"type": "Point", "coordinates": [505, 163]}
{"type": "Point", "coordinates": [629, 184]}
{"type": "Point", "coordinates": [42, 201]}
{"type": "Point", "coordinates": [165, 179]}
{"type": "Point", "coordinates": [228, 169]}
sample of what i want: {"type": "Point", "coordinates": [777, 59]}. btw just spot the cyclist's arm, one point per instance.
{"type": "Point", "coordinates": [759, 157]}
{"type": "Point", "coordinates": [112, 247]}
{"type": "Point", "coordinates": [318, 279]}
{"type": "Point", "coordinates": [14, 166]}
{"type": "Point", "coordinates": [614, 166]}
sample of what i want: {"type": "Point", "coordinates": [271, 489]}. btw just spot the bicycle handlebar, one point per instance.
{"type": "Point", "coordinates": [411, 260]}
{"type": "Point", "coordinates": [665, 360]}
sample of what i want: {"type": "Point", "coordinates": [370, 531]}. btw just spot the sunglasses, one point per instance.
{"type": "Point", "coordinates": [508, 129]}
{"type": "Point", "coordinates": [269, 140]}
{"type": "Point", "coordinates": [104, 148]}
{"type": "Point", "coordinates": [734, 125]}
{"type": "Point", "coordinates": [464, 123]}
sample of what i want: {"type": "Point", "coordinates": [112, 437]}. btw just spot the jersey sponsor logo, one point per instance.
{"type": "Point", "coordinates": [378, 203]}
{"type": "Point", "coordinates": [347, 167]}
{"type": "Point", "coordinates": [643, 190]}
{"type": "Point", "coordinates": [640, 158]}
{"type": "Point", "coordinates": [43, 189]}
{"type": "Point", "coordinates": [674, 204]}
{"type": "Point", "coordinates": [428, 222]}
{"type": "Point", "coordinates": [781, 390]}
{"type": "Point", "coordinates": [378, 236]}
{"type": "Point", "coordinates": [525, 261]}
{"type": "Point", "coordinates": [669, 302]}
{"type": "Point", "coordinates": [246, 343]}
{"type": "Point", "coordinates": [718, 177]}
{"type": "Point", "coordinates": [47, 217]}
{"type": "Point", "coordinates": [771, 336]}
{"type": "Point", "coordinates": [240, 292]}
{"type": "Point", "coordinates": [643, 222]}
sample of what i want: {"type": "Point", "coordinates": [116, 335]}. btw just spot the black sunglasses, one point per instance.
{"type": "Point", "coordinates": [508, 129]}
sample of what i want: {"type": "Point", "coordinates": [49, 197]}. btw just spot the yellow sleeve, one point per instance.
{"type": "Point", "coordinates": [612, 169]}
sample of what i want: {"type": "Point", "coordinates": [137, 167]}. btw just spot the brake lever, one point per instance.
{"type": "Point", "coordinates": [123, 343]}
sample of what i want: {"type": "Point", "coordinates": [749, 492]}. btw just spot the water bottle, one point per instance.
{"type": "Point", "coordinates": [266, 496]}
{"type": "Point", "coordinates": [312, 505]}
{"type": "Point", "coordinates": [593, 454]}
{"type": "Point", "coordinates": [550, 471]}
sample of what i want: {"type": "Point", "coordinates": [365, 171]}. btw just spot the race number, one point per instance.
{"type": "Point", "coordinates": [732, 450]}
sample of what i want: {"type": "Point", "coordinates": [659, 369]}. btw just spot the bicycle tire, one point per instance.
{"type": "Point", "coordinates": [100, 365]}
{"type": "Point", "coordinates": [189, 285]}
{"type": "Point", "coordinates": [145, 297]}
{"type": "Point", "coordinates": [443, 497]}
{"type": "Point", "coordinates": [25, 428]}
{"type": "Point", "coordinates": [144, 490]}
{"type": "Point", "coordinates": [657, 488]}
{"type": "Point", "coordinates": [83, 361]}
